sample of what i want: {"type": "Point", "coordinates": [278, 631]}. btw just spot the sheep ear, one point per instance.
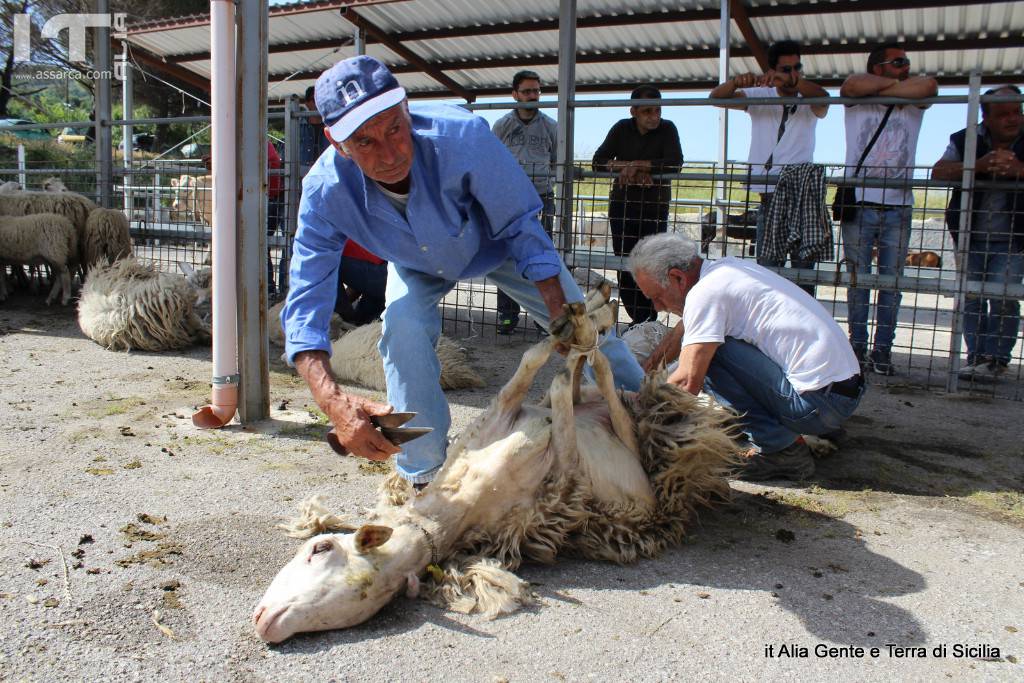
{"type": "Point", "coordinates": [370, 536]}
{"type": "Point", "coordinates": [174, 182]}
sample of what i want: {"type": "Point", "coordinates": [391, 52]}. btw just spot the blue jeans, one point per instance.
{"type": "Point", "coordinates": [370, 281]}
{"type": "Point", "coordinates": [412, 325]}
{"type": "Point", "coordinates": [772, 413]}
{"type": "Point", "coordinates": [771, 262]}
{"type": "Point", "coordinates": [991, 325]}
{"type": "Point", "coordinates": [890, 229]}
{"type": "Point", "coordinates": [508, 309]}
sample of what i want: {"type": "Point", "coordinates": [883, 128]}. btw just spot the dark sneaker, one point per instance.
{"type": "Point", "coordinates": [881, 362]}
{"type": "Point", "coordinates": [507, 325]}
{"type": "Point", "coordinates": [794, 462]}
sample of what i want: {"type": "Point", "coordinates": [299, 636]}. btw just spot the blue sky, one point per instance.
{"type": "Point", "coordinates": [698, 128]}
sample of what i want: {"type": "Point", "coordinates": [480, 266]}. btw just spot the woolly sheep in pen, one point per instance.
{"type": "Point", "coordinates": [54, 184]}
{"type": "Point", "coordinates": [10, 186]}
{"type": "Point", "coordinates": [130, 305]}
{"type": "Point", "coordinates": [39, 239]}
{"type": "Point", "coordinates": [107, 237]}
{"type": "Point", "coordinates": [72, 206]}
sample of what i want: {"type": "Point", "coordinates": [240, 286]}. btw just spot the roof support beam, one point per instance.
{"type": "Point", "coordinates": [739, 15]}
{"type": "Point", "coordinates": [180, 73]}
{"type": "Point", "coordinates": [405, 53]}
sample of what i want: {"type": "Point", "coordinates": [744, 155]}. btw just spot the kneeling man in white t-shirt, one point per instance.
{"type": "Point", "coordinates": [759, 345]}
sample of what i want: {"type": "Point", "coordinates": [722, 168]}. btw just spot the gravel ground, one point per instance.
{"type": "Point", "coordinates": [133, 546]}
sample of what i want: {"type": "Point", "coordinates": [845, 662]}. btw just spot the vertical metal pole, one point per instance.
{"type": "Point", "coordinates": [104, 149]}
{"type": "Point", "coordinates": [359, 41]}
{"type": "Point", "coordinates": [127, 113]}
{"type": "Point", "coordinates": [964, 238]}
{"type": "Point", "coordinates": [251, 76]}
{"type": "Point", "coordinates": [293, 177]}
{"type": "Point", "coordinates": [566, 118]}
{"type": "Point", "coordinates": [22, 178]}
{"type": "Point", "coordinates": [718, 186]}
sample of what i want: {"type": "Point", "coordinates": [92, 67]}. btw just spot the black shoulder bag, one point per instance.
{"type": "Point", "coordinates": [844, 204]}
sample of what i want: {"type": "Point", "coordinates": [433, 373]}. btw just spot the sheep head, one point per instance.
{"type": "Point", "coordinates": [334, 581]}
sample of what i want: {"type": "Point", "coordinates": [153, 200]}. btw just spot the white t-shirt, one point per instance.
{"type": "Point", "coordinates": [796, 145]}
{"type": "Point", "coordinates": [738, 298]}
{"type": "Point", "coordinates": [893, 153]}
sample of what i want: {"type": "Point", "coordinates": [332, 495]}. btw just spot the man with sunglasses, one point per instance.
{"type": "Point", "coordinates": [532, 137]}
{"type": "Point", "coordinates": [779, 135]}
{"type": "Point", "coordinates": [883, 214]}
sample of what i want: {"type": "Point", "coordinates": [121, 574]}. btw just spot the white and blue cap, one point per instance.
{"type": "Point", "coordinates": [353, 91]}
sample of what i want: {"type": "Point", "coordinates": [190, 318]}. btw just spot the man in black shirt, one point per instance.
{"type": "Point", "coordinates": [638, 148]}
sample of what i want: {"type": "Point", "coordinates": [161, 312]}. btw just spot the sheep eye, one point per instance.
{"type": "Point", "coordinates": [322, 547]}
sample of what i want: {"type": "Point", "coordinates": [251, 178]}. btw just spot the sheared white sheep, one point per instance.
{"type": "Point", "coordinates": [355, 359]}
{"type": "Point", "coordinates": [107, 237]}
{"type": "Point", "coordinates": [40, 239]}
{"type": "Point", "coordinates": [586, 472]}
{"type": "Point", "coordinates": [130, 305]}
{"type": "Point", "coordinates": [192, 198]}
{"type": "Point", "coordinates": [276, 332]}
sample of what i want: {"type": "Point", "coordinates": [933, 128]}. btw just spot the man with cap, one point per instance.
{"type": "Point", "coordinates": [438, 196]}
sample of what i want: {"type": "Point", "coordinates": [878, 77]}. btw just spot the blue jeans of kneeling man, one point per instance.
{"type": "Point", "coordinates": [412, 325]}
{"type": "Point", "coordinates": [773, 414]}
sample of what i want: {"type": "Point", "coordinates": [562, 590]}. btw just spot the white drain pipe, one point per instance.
{"type": "Point", "coordinates": [224, 400]}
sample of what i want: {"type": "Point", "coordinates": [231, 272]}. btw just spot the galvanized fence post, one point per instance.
{"type": "Point", "coordinates": [964, 238]}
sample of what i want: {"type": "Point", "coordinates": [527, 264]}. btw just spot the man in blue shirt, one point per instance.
{"type": "Point", "coordinates": [438, 196]}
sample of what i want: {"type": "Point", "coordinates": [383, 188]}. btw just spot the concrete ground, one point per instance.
{"type": "Point", "coordinates": [133, 546]}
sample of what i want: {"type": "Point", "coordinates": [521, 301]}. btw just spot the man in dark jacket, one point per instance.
{"type": "Point", "coordinates": [638, 148]}
{"type": "Point", "coordinates": [996, 239]}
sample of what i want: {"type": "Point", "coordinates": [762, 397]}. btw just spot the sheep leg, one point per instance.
{"type": "Point", "coordinates": [511, 396]}
{"type": "Point", "coordinates": [563, 422]}
{"type": "Point", "coordinates": [61, 283]}
{"type": "Point", "coordinates": [622, 425]}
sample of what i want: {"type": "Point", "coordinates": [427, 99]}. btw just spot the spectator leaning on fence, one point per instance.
{"type": "Point", "coordinates": [638, 205]}
{"type": "Point", "coordinates": [532, 137]}
{"type": "Point", "coordinates": [779, 134]}
{"type": "Point", "coordinates": [881, 215]}
{"type": "Point", "coordinates": [997, 232]}
{"type": "Point", "coordinates": [758, 344]}
{"type": "Point", "coordinates": [433, 191]}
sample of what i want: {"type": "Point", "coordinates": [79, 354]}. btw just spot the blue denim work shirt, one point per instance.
{"type": "Point", "coordinates": [471, 207]}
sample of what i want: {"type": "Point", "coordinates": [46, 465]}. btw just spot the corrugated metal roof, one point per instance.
{"type": "Point", "coordinates": [668, 47]}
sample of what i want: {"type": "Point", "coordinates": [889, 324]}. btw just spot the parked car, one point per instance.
{"type": "Point", "coordinates": [143, 142]}
{"type": "Point", "coordinates": [73, 136]}
{"type": "Point", "coordinates": [37, 134]}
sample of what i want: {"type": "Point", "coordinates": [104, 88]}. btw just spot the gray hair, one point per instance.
{"type": "Point", "coordinates": [658, 254]}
